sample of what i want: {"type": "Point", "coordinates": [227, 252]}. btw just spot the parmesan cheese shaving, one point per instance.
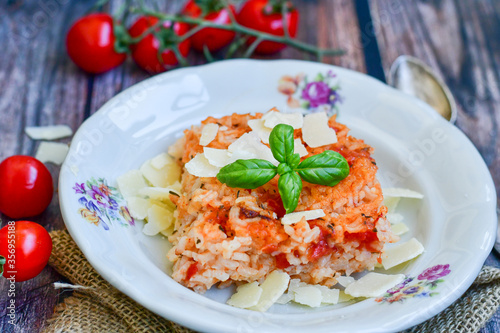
{"type": "Point", "coordinates": [273, 118]}
{"type": "Point", "coordinates": [159, 219]}
{"type": "Point", "coordinates": [272, 288]}
{"type": "Point", "coordinates": [158, 162]}
{"type": "Point", "coordinates": [130, 183]}
{"type": "Point", "coordinates": [344, 281]}
{"type": "Point", "coordinates": [52, 152]}
{"type": "Point", "coordinates": [297, 216]}
{"type": "Point", "coordinates": [177, 149]}
{"type": "Point", "coordinates": [200, 167]}
{"type": "Point", "coordinates": [402, 252]}
{"type": "Point", "coordinates": [394, 217]}
{"type": "Point", "coordinates": [247, 295]}
{"type": "Point", "coordinates": [208, 133]}
{"type": "Point", "coordinates": [299, 148]}
{"type": "Point", "coordinates": [138, 207]}
{"type": "Point", "coordinates": [399, 229]}
{"type": "Point", "coordinates": [162, 177]}
{"type": "Point", "coordinates": [217, 157]}
{"type": "Point", "coordinates": [48, 132]}
{"type": "Point", "coordinates": [249, 144]}
{"type": "Point", "coordinates": [257, 125]}
{"type": "Point", "coordinates": [401, 193]}
{"type": "Point", "coordinates": [315, 131]}
{"type": "Point", "coordinates": [373, 284]}
{"type": "Point", "coordinates": [308, 295]}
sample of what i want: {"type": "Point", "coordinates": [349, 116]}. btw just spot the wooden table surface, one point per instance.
{"type": "Point", "coordinates": [39, 85]}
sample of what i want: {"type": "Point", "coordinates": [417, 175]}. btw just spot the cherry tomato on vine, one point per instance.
{"type": "Point", "coordinates": [91, 44]}
{"type": "Point", "coordinates": [214, 11]}
{"type": "Point", "coordinates": [265, 16]}
{"type": "Point", "coordinates": [26, 186]}
{"type": "Point", "coordinates": [26, 247]}
{"type": "Point", "coordinates": [145, 52]}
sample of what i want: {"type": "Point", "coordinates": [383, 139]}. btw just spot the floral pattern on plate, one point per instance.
{"type": "Point", "coordinates": [316, 95]}
{"type": "Point", "coordinates": [102, 204]}
{"type": "Point", "coordinates": [420, 286]}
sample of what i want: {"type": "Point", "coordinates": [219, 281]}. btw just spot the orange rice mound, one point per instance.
{"type": "Point", "coordinates": [225, 235]}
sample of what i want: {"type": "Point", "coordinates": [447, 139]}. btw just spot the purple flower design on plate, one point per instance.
{"type": "Point", "coordinates": [423, 286]}
{"type": "Point", "coordinates": [79, 188]}
{"type": "Point", "coordinates": [316, 93]}
{"type": "Point", "coordinates": [102, 204]}
{"type": "Point", "coordinates": [434, 273]}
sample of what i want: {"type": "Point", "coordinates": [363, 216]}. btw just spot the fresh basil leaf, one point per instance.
{"type": "Point", "coordinates": [327, 168]}
{"type": "Point", "coordinates": [283, 168]}
{"type": "Point", "coordinates": [294, 160]}
{"type": "Point", "coordinates": [247, 174]}
{"type": "Point", "coordinates": [281, 142]}
{"type": "Point", "coordinates": [290, 186]}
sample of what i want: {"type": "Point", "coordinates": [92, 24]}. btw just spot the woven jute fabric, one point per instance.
{"type": "Point", "coordinates": [102, 308]}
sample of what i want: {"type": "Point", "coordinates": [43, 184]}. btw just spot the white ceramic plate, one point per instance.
{"type": "Point", "coordinates": [414, 148]}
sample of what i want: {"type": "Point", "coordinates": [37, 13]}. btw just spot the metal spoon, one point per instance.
{"type": "Point", "coordinates": [415, 78]}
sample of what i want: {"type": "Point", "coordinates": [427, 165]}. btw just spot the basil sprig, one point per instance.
{"type": "Point", "coordinates": [327, 168]}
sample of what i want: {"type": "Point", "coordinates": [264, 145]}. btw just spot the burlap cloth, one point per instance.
{"type": "Point", "coordinates": [102, 308]}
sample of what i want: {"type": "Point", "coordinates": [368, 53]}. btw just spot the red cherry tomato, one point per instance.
{"type": "Point", "coordinates": [91, 44]}
{"type": "Point", "coordinates": [145, 52]}
{"type": "Point", "coordinates": [26, 186]}
{"type": "Point", "coordinates": [26, 247]}
{"type": "Point", "coordinates": [215, 39]}
{"type": "Point", "coordinates": [258, 15]}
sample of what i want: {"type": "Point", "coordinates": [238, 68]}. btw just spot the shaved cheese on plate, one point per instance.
{"type": "Point", "coordinates": [401, 193]}
{"type": "Point", "coordinates": [130, 183]}
{"type": "Point", "coordinates": [158, 162]}
{"type": "Point", "coordinates": [53, 152]}
{"type": "Point", "coordinates": [272, 288]}
{"type": "Point", "coordinates": [297, 216]}
{"type": "Point", "coordinates": [208, 133]}
{"type": "Point", "coordinates": [168, 174]}
{"type": "Point", "coordinates": [285, 298]}
{"type": "Point", "coordinates": [394, 217]}
{"type": "Point", "coordinates": [401, 252]}
{"type": "Point", "coordinates": [344, 281]}
{"type": "Point", "coordinates": [343, 297]}
{"type": "Point", "coordinates": [391, 203]}
{"type": "Point", "coordinates": [48, 132]}
{"type": "Point", "coordinates": [295, 283]}
{"type": "Point", "coordinates": [309, 295]}
{"type": "Point", "coordinates": [217, 157]}
{"type": "Point", "coordinates": [159, 219]}
{"type": "Point", "coordinates": [373, 284]}
{"type": "Point", "coordinates": [315, 131]}
{"type": "Point", "coordinates": [138, 207]}
{"type": "Point", "coordinates": [159, 193]}
{"type": "Point", "coordinates": [273, 118]}
{"type": "Point", "coordinates": [200, 167]}
{"type": "Point", "coordinates": [249, 144]}
{"type": "Point", "coordinates": [399, 228]}
{"type": "Point", "coordinates": [299, 148]}
{"type": "Point", "coordinates": [329, 296]}
{"type": "Point", "coordinates": [257, 125]}
{"type": "Point", "coordinates": [246, 295]}
{"type": "Point", "coordinates": [177, 149]}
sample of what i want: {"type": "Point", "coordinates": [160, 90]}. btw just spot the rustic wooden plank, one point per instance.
{"type": "Point", "coordinates": [338, 27]}
{"type": "Point", "coordinates": [460, 40]}
{"type": "Point", "coordinates": [38, 86]}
